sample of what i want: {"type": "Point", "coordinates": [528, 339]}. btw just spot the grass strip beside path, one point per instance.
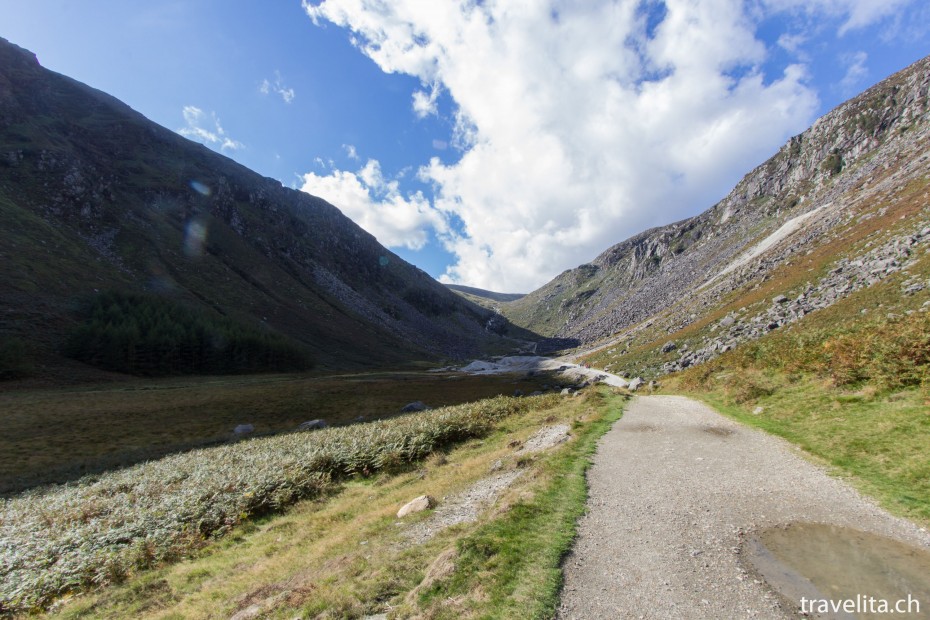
{"type": "Point", "coordinates": [511, 566]}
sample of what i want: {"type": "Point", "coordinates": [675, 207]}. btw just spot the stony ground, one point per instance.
{"type": "Point", "coordinates": [675, 489]}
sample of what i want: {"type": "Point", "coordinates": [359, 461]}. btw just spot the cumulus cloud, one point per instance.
{"type": "Point", "coordinates": [206, 129]}
{"type": "Point", "coordinates": [583, 123]}
{"type": "Point", "coordinates": [277, 87]}
{"type": "Point", "coordinates": [377, 205]}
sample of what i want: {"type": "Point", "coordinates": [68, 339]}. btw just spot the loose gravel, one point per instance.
{"type": "Point", "coordinates": [464, 507]}
{"type": "Point", "coordinates": [674, 490]}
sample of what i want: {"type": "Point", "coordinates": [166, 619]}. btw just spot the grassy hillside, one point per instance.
{"type": "Point", "coordinates": [839, 269]}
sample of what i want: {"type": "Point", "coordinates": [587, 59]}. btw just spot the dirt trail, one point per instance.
{"type": "Point", "coordinates": [675, 488]}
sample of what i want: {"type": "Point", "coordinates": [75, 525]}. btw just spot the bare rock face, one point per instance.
{"type": "Point", "coordinates": [417, 504]}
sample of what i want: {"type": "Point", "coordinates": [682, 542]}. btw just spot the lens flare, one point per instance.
{"type": "Point", "coordinates": [200, 188]}
{"type": "Point", "coordinates": [194, 237]}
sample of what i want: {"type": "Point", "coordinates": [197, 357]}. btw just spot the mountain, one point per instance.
{"type": "Point", "coordinates": [839, 208]}
{"type": "Point", "coordinates": [488, 299]}
{"type": "Point", "coordinates": [96, 198]}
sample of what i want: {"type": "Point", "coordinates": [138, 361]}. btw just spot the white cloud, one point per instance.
{"type": "Point", "coordinates": [578, 127]}
{"type": "Point", "coordinates": [206, 129]}
{"type": "Point", "coordinates": [856, 71]}
{"type": "Point", "coordinates": [582, 123]}
{"type": "Point", "coordinates": [856, 13]}
{"type": "Point", "coordinates": [351, 153]}
{"type": "Point", "coordinates": [376, 204]}
{"type": "Point", "coordinates": [277, 86]}
{"type": "Point", "coordinates": [424, 103]}
{"type": "Point", "coordinates": [792, 42]}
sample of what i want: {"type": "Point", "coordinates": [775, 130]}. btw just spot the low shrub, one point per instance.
{"type": "Point", "coordinates": [747, 387]}
{"type": "Point", "coordinates": [886, 353]}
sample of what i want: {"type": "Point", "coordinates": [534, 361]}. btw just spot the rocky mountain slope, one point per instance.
{"type": "Point", "coordinates": [95, 197]}
{"type": "Point", "coordinates": [839, 208]}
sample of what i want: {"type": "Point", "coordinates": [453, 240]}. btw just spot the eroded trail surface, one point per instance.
{"type": "Point", "coordinates": [675, 490]}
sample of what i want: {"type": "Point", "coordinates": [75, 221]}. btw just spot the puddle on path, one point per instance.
{"type": "Point", "coordinates": [818, 561]}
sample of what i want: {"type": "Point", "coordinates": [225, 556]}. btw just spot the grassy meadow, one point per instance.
{"type": "Point", "coordinates": [110, 545]}
{"type": "Point", "coordinates": [58, 434]}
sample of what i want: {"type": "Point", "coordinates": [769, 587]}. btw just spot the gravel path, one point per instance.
{"type": "Point", "coordinates": [675, 487]}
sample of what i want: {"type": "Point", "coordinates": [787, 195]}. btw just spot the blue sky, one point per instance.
{"type": "Point", "coordinates": [490, 143]}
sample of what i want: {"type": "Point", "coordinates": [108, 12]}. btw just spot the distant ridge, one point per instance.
{"type": "Point", "coordinates": [477, 292]}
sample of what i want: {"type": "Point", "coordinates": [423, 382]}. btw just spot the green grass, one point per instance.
{"type": "Point", "coordinates": [878, 441]}
{"type": "Point", "coordinates": [515, 561]}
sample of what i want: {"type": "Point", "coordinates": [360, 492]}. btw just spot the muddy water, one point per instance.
{"type": "Point", "coordinates": [818, 561]}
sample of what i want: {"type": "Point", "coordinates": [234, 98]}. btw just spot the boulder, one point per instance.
{"type": "Point", "coordinates": [244, 429]}
{"type": "Point", "coordinates": [567, 391]}
{"type": "Point", "coordinates": [669, 346]}
{"type": "Point", "coordinates": [311, 425]}
{"type": "Point", "coordinates": [417, 504]}
{"type": "Point", "coordinates": [635, 384]}
{"type": "Point", "coordinates": [414, 406]}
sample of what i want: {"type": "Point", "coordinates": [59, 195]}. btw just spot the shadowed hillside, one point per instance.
{"type": "Point", "coordinates": [96, 198]}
